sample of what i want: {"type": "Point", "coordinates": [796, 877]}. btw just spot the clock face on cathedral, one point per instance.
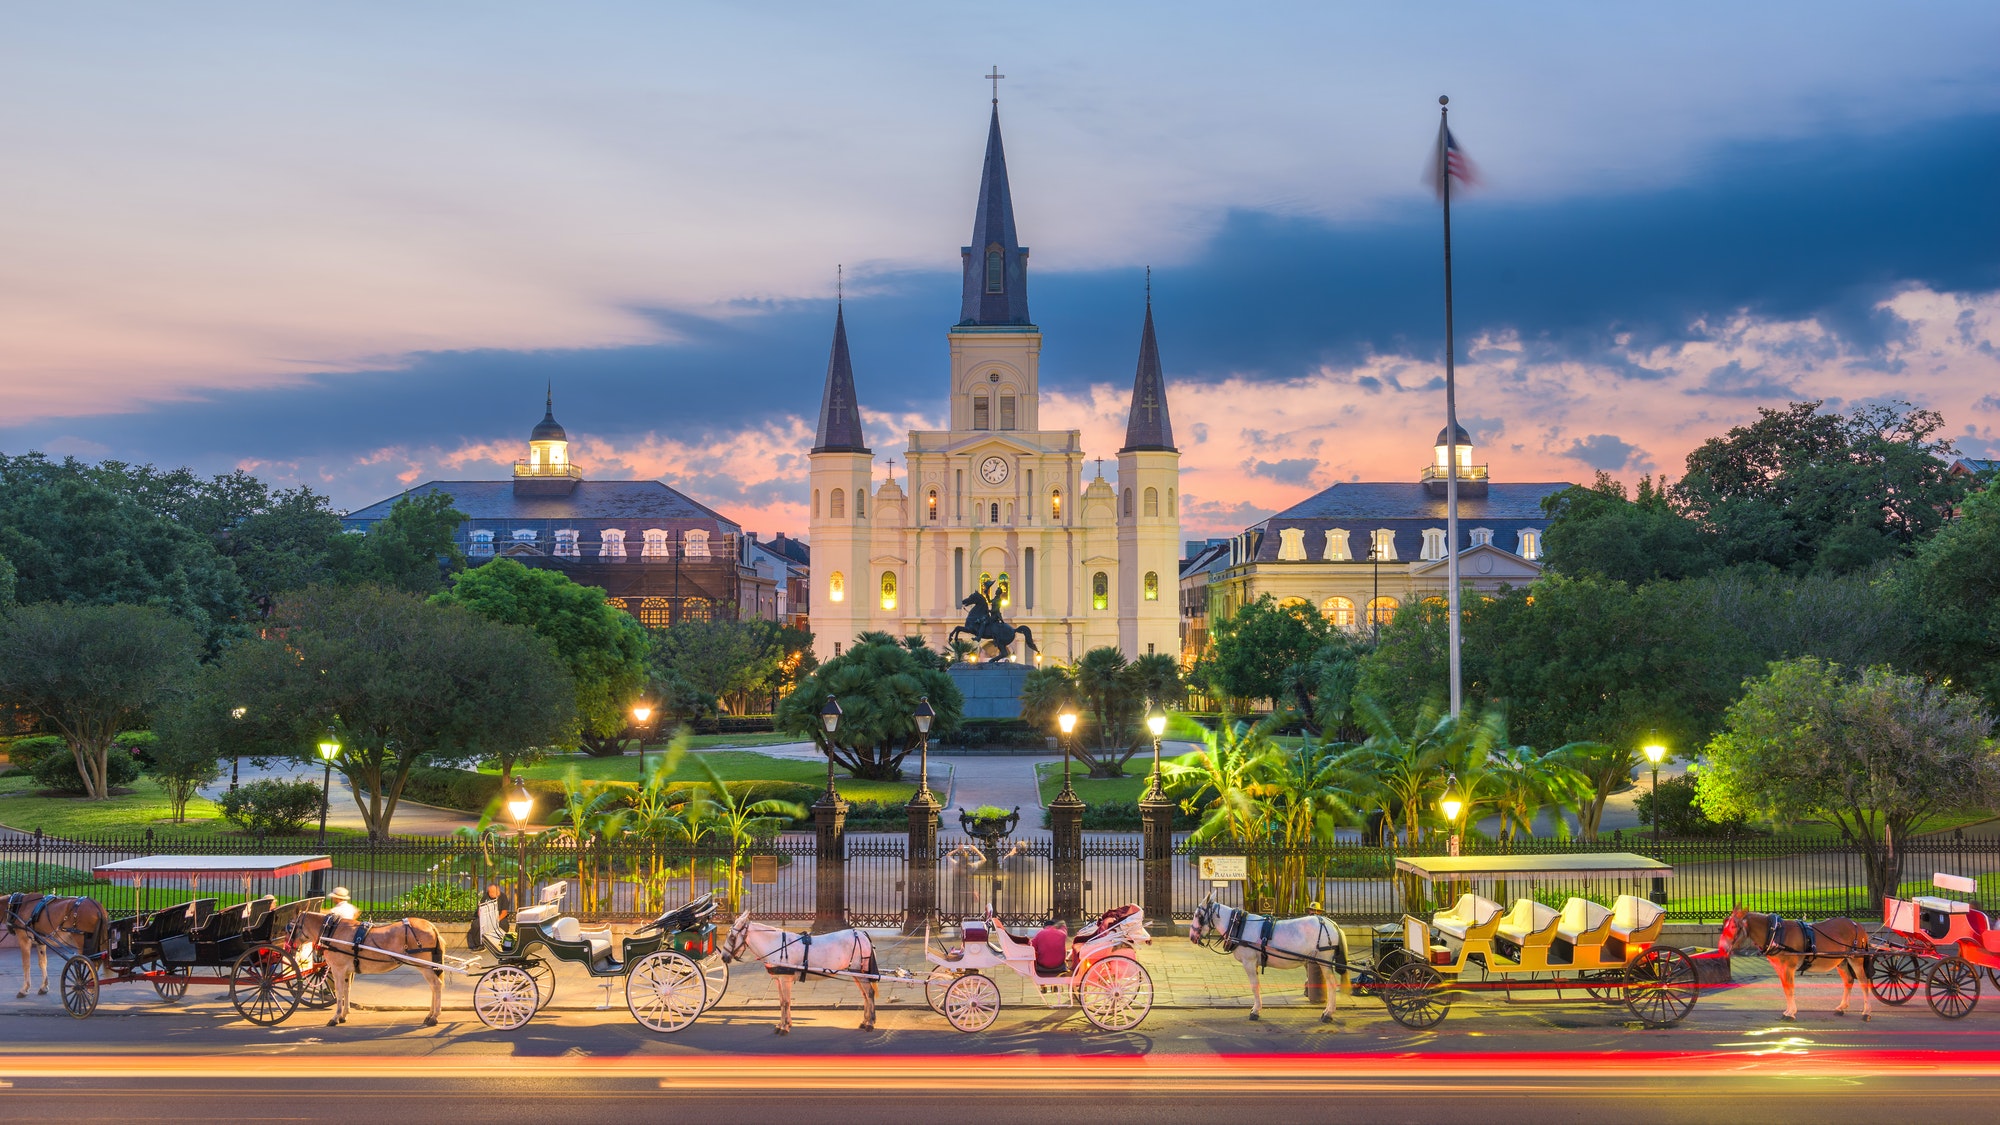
{"type": "Point", "coordinates": [993, 470]}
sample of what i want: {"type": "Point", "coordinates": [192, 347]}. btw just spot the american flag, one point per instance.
{"type": "Point", "coordinates": [1455, 163]}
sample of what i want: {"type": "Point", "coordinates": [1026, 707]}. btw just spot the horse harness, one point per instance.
{"type": "Point", "coordinates": [1774, 942]}
{"type": "Point", "coordinates": [358, 943]}
{"type": "Point", "coordinates": [804, 968]}
{"type": "Point", "coordinates": [1234, 936]}
{"type": "Point", "coordinates": [34, 918]}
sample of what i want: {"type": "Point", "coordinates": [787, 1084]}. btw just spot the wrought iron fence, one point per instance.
{"type": "Point", "coordinates": [440, 878]}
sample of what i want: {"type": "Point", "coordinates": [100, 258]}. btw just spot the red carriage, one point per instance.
{"type": "Point", "coordinates": [1941, 944]}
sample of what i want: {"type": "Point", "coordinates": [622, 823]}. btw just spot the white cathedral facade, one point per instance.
{"type": "Point", "coordinates": [1078, 559]}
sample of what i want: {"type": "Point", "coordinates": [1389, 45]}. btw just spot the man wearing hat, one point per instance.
{"type": "Point", "coordinates": [342, 908]}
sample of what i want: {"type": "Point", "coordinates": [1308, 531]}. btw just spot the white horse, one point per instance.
{"type": "Point", "coordinates": [1292, 942]}
{"type": "Point", "coordinates": [788, 956]}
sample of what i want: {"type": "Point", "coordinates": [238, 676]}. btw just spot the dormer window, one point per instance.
{"type": "Point", "coordinates": [482, 543]}
{"type": "Point", "coordinates": [525, 537]}
{"type": "Point", "coordinates": [1433, 543]}
{"type": "Point", "coordinates": [996, 270]}
{"type": "Point", "coordinates": [1382, 547]}
{"type": "Point", "coordinates": [695, 544]}
{"type": "Point", "coordinates": [1482, 537]}
{"type": "Point", "coordinates": [656, 543]}
{"type": "Point", "coordinates": [1530, 546]}
{"type": "Point", "coordinates": [1291, 544]}
{"type": "Point", "coordinates": [566, 543]}
{"type": "Point", "coordinates": [1337, 548]}
{"type": "Point", "coordinates": [611, 543]}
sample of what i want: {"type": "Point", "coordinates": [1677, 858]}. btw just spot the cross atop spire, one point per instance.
{"type": "Point", "coordinates": [1147, 424]}
{"type": "Point", "coordinates": [996, 264]}
{"type": "Point", "coordinates": [995, 77]}
{"type": "Point", "coordinates": [839, 428]}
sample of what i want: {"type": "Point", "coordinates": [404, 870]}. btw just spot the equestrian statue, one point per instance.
{"type": "Point", "coordinates": [983, 623]}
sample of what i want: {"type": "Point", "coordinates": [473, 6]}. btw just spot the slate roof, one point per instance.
{"type": "Point", "coordinates": [610, 500]}
{"type": "Point", "coordinates": [1406, 511]}
{"type": "Point", "coordinates": [1147, 425]}
{"type": "Point", "coordinates": [993, 225]}
{"type": "Point", "coordinates": [839, 408]}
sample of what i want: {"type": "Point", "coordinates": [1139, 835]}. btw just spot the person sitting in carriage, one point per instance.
{"type": "Point", "coordinates": [1051, 944]}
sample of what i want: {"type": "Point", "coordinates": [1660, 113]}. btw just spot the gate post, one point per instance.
{"type": "Point", "coordinates": [830, 861]}
{"type": "Point", "coordinates": [1066, 856]}
{"type": "Point", "coordinates": [1156, 820]}
{"type": "Point", "coordinates": [920, 864]}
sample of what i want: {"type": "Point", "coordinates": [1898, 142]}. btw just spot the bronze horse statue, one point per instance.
{"type": "Point", "coordinates": [983, 623]}
{"type": "Point", "coordinates": [1797, 947]}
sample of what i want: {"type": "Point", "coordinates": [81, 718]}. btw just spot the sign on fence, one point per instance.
{"type": "Point", "coordinates": [1223, 868]}
{"type": "Point", "coordinates": [763, 870]}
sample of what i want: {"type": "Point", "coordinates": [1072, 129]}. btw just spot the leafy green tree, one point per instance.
{"type": "Point", "coordinates": [1801, 490]}
{"type": "Point", "coordinates": [878, 683]}
{"type": "Point", "coordinates": [290, 541]}
{"type": "Point", "coordinates": [604, 649]}
{"type": "Point", "coordinates": [412, 548]}
{"type": "Point", "coordinates": [1952, 589]}
{"type": "Point", "coordinates": [1869, 754]}
{"type": "Point", "coordinates": [1597, 532]}
{"type": "Point", "coordinates": [402, 682]}
{"type": "Point", "coordinates": [720, 658]}
{"type": "Point", "coordinates": [1046, 693]}
{"type": "Point", "coordinates": [92, 672]}
{"type": "Point", "coordinates": [1261, 648]}
{"type": "Point", "coordinates": [6, 583]}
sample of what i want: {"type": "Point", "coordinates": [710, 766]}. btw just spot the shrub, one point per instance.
{"type": "Point", "coordinates": [25, 753]}
{"type": "Point", "coordinates": [438, 898]}
{"type": "Point", "coordinates": [1123, 816]}
{"type": "Point", "coordinates": [1680, 814]}
{"type": "Point", "coordinates": [56, 772]}
{"type": "Point", "coordinates": [277, 808]}
{"type": "Point", "coordinates": [998, 734]}
{"type": "Point", "coordinates": [143, 745]}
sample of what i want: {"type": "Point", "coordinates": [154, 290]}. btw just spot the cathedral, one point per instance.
{"type": "Point", "coordinates": [997, 502]}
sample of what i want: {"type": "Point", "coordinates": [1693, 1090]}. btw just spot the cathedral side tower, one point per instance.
{"type": "Point", "coordinates": [841, 469]}
{"type": "Point", "coordinates": [1149, 512]}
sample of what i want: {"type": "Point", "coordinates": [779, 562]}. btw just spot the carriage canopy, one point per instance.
{"type": "Point", "coordinates": [1599, 865]}
{"type": "Point", "coordinates": [210, 867]}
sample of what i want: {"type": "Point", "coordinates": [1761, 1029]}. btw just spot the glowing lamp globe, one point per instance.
{"type": "Point", "coordinates": [1067, 721]}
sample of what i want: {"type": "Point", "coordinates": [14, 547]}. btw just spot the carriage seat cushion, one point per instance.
{"type": "Point", "coordinates": [536, 914]}
{"type": "Point", "coordinates": [1580, 916]}
{"type": "Point", "coordinates": [1110, 919]}
{"type": "Point", "coordinates": [1527, 918]}
{"type": "Point", "coordinates": [1630, 914]}
{"type": "Point", "coordinates": [1941, 905]}
{"type": "Point", "coordinates": [1471, 910]}
{"type": "Point", "coordinates": [567, 928]}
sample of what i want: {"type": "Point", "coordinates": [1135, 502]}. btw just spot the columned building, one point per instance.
{"type": "Point", "coordinates": [1079, 558]}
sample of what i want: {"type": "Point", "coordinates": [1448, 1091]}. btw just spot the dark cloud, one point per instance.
{"type": "Point", "coordinates": [1291, 470]}
{"type": "Point", "coordinates": [1607, 452]}
{"type": "Point", "coordinates": [1733, 380]}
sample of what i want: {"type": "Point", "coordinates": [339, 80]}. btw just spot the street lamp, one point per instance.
{"type": "Point", "coordinates": [1451, 804]}
{"type": "Point", "coordinates": [829, 717]}
{"type": "Point", "coordinates": [1656, 752]}
{"type": "Point", "coordinates": [235, 750]}
{"type": "Point", "coordinates": [923, 716]}
{"type": "Point", "coordinates": [519, 804]}
{"type": "Point", "coordinates": [329, 749]}
{"type": "Point", "coordinates": [1156, 722]}
{"type": "Point", "coordinates": [1067, 721]}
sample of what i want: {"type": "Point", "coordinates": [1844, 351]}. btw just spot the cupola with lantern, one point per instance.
{"type": "Point", "coordinates": [547, 471]}
{"type": "Point", "coordinates": [1471, 477]}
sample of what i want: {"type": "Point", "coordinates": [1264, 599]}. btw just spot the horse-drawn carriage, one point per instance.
{"type": "Point", "coordinates": [243, 947]}
{"type": "Point", "coordinates": [1099, 975]}
{"type": "Point", "coordinates": [671, 971]}
{"type": "Point", "coordinates": [1612, 954]}
{"type": "Point", "coordinates": [1938, 942]}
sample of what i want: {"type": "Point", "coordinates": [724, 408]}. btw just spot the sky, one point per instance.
{"type": "Point", "coordinates": [349, 246]}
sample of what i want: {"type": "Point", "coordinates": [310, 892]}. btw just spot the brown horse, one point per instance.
{"type": "Point", "coordinates": [38, 921]}
{"type": "Point", "coordinates": [336, 939]}
{"type": "Point", "coordinates": [1796, 947]}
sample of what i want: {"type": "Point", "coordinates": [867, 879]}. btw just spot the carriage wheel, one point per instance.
{"type": "Point", "coordinates": [665, 991]}
{"type": "Point", "coordinates": [972, 1002]}
{"type": "Point", "coordinates": [172, 985]}
{"type": "Point", "coordinates": [316, 987]}
{"type": "Point", "coordinates": [936, 985]}
{"type": "Point", "coordinates": [715, 975]}
{"type": "Point", "coordinates": [1606, 987]}
{"type": "Point", "coordinates": [1415, 996]}
{"type": "Point", "coordinates": [79, 987]}
{"type": "Point", "coordinates": [1115, 993]}
{"type": "Point", "coordinates": [265, 986]}
{"type": "Point", "coordinates": [1952, 988]}
{"type": "Point", "coordinates": [545, 981]}
{"type": "Point", "coordinates": [1660, 986]}
{"type": "Point", "coordinates": [505, 997]}
{"type": "Point", "coordinates": [1893, 977]}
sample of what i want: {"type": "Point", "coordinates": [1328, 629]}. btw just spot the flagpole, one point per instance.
{"type": "Point", "coordinates": [1450, 414]}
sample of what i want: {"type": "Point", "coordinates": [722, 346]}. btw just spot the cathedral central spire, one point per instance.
{"type": "Point", "coordinates": [996, 264]}
{"type": "Point", "coordinates": [839, 411]}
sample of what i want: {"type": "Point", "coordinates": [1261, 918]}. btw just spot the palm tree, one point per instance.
{"type": "Point", "coordinates": [1528, 780]}
{"type": "Point", "coordinates": [1410, 771]}
{"type": "Point", "coordinates": [1101, 683]}
{"type": "Point", "coordinates": [1311, 791]}
{"type": "Point", "coordinates": [1605, 769]}
{"type": "Point", "coordinates": [1223, 780]}
{"type": "Point", "coordinates": [593, 816]}
{"type": "Point", "coordinates": [744, 822]}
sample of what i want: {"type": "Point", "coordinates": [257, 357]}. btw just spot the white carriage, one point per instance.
{"type": "Point", "coordinates": [1099, 976]}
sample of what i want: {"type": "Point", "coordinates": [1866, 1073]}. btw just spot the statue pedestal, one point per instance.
{"type": "Point", "coordinates": [991, 691]}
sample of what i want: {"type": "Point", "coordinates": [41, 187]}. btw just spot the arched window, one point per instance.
{"type": "Point", "coordinates": [930, 502]}
{"type": "Point", "coordinates": [656, 543]}
{"type": "Point", "coordinates": [1152, 585]}
{"type": "Point", "coordinates": [982, 413]}
{"type": "Point", "coordinates": [1382, 610]}
{"type": "Point", "coordinates": [1172, 508]}
{"type": "Point", "coordinates": [1530, 546]}
{"type": "Point", "coordinates": [860, 504]}
{"type": "Point", "coordinates": [695, 609]}
{"type": "Point", "coordinates": [611, 543]}
{"type": "Point", "coordinates": [1055, 503]}
{"type": "Point", "coordinates": [653, 613]}
{"type": "Point", "coordinates": [995, 514]}
{"type": "Point", "coordinates": [888, 589]}
{"type": "Point", "coordinates": [1100, 591]}
{"type": "Point", "coordinates": [1003, 590]}
{"type": "Point", "coordinates": [815, 503]}
{"type": "Point", "coordinates": [837, 506]}
{"type": "Point", "coordinates": [1338, 611]}
{"type": "Point", "coordinates": [996, 271]}
{"type": "Point", "coordinates": [1152, 507]}
{"type": "Point", "coordinates": [1292, 603]}
{"type": "Point", "coordinates": [1433, 543]}
{"type": "Point", "coordinates": [836, 587]}
{"type": "Point", "coordinates": [1128, 502]}
{"type": "Point", "coordinates": [695, 544]}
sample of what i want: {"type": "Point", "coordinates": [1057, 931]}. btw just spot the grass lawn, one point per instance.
{"type": "Point", "coordinates": [712, 741]}
{"type": "Point", "coordinates": [1095, 791]}
{"type": "Point", "coordinates": [145, 807]}
{"type": "Point", "coordinates": [732, 765]}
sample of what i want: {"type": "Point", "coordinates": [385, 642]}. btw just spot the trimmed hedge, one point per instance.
{"type": "Point", "coordinates": [25, 753]}
{"type": "Point", "coordinates": [734, 724]}
{"type": "Point", "coordinates": [999, 734]}
{"type": "Point", "coordinates": [56, 772]}
{"type": "Point", "coordinates": [1123, 816]}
